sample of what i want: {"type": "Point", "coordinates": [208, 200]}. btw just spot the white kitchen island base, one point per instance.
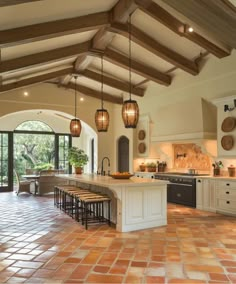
{"type": "Point", "coordinates": [141, 203]}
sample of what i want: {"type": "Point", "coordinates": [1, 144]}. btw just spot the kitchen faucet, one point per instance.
{"type": "Point", "coordinates": [102, 169]}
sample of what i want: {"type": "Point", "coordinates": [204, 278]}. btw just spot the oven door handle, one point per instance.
{"type": "Point", "coordinates": [180, 184]}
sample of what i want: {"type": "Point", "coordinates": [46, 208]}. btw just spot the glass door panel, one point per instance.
{"type": "Point", "coordinates": [63, 145]}
{"type": "Point", "coordinates": [4, 158]}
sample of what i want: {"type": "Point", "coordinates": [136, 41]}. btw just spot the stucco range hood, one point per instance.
{"type": "Point", "coordinates": [188, 120]}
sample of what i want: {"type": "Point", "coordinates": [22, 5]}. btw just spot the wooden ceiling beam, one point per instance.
{"type": "Point", "coordinates": [44, 57]}
{"type": "Point", "coordinates": [119, 13]}
{"type": "Point", "coordinates": [138, 68]}
{"type": "Point", "coordinates": [55, 28]}
{"type": "Point", "coordinates": [4, 3]}
{"type": "Point", "coordinates": [95, 94]}
{"type": "Point", "coordinates": [215, 17]}
{"type": "Point", "coordinates": [161, 15]}
{"type": "Point", "coordinates": [114, 83]}
{"type": "Point", "coordinates": [155, 47]}
{"type": "Point", "coordinates": [35, 80]}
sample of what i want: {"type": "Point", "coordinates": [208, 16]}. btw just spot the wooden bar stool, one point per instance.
{"type": "Point", "coordinates": [93, 209]}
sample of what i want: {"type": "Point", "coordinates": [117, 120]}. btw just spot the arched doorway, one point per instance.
{"type": "Point", "coordinates": [123, 154]}
{"type": "Point", "coordinates": [58, 126]}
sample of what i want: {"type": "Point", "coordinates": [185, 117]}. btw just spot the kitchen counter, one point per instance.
{"type": "Point", "coordinates": [137, 203]}
{"type": "Point", "coordinates": [218, 177]}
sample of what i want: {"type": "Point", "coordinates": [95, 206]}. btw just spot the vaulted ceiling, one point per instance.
{"type": "Point", "coordinates": [51, 41]}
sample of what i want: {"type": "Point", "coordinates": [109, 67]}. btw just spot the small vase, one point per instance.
{"type": "Point", "coordinates": [231, 171]}
{"type": "Point", "coordinates": [216, 172]}
{"type": "Point", "coordinates": [78, 170]}
{"type": "Point", "coordinates": [142, 168]}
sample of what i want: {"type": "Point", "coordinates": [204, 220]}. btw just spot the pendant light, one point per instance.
{"type": "Point", "coordinates": [75, 124]}
{"type": "Point", "coordinates": [102, 115]}
{"type": "Point", "coordinates": [130, 109]}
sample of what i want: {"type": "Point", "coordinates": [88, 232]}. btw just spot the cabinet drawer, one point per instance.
{"type": "Point", "coordinates": [226, 204]}
{"type": "Point", "coordinates": [226, 184]}
{"type": "Point", "coordinates": [226, 193]}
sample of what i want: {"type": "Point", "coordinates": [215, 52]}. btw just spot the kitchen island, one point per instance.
{"type": "Point", "coordinates": [136, 203]}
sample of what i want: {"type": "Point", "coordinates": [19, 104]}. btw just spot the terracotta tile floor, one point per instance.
{"type": "Point", "coordinates": [40, 244]}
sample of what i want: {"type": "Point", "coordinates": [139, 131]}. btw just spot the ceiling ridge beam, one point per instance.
{"type": "Point", "coordinates": [55, 28]}
{"type": "Point", "coordinates": [155, 47]}
{"type": "Point", "coordinates": [44, 57]}
{"type": "Point", "coordinates": [93, 93]}
{"type": "Point", "coordinates": [35, 80]}
{"type": "Point", "coordinates": [164, 17]}
{"type": "Point", "coordinates": [136, 67]}
{"type": "Point", "coordinates": [112, 82]}
{"type": "Point", "coordinates": [120, 12]}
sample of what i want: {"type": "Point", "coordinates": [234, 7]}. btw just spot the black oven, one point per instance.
{"type": "Point", "coordinates": [181, 189]}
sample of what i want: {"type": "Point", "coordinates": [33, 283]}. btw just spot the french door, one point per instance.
{"type": "Point", "coordinates": [6, 161]}
{"type": "Point", "coordinates": [62, 142]}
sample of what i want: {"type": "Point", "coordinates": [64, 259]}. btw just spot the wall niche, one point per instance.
{"type": "Point", "coordinates": [190, 156]}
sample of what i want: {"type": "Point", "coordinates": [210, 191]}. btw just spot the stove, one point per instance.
{"type": "Point", "coordinates": [182, 187]}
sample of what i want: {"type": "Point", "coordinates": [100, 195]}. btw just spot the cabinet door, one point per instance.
{"type": "Point", "coordinates": [199, 194]}
{"type": "Point", "coordinates": [209, 198]}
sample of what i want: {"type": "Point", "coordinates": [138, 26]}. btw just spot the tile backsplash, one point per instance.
{"type": "Point", "coordinates": [190, 156]}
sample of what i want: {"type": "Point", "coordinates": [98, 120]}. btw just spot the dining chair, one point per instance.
{"type": "Point", "coordinates": [22, 185]}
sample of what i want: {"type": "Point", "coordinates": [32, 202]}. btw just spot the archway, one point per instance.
{"type": "Point", "coordinates": [123, 154]}
{"type": "Point", "coordinates": [59, 125]}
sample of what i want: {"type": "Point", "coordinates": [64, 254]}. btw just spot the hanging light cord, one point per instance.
{"type": "Point", "coordinates": [75, 95]}
{"type": "Point", "coordinates": [130, 84]}
{"type": "Point", "coordinates": [102, 79]}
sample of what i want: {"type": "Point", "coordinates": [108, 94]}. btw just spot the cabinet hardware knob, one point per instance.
{"type": "Point", "coordinates": [228, 184]}
{"type": "Point", "coordinates": [228, 202]}
{"type": "Point", "coordinates": [199, 180]}
{"type": "Point", "coordinates": [227, 192]}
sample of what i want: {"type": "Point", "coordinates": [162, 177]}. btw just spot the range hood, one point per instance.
{"type": "Point", "coordinates": [187, 120]}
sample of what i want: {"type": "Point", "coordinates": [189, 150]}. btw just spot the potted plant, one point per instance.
{"type": "Point", "coordinates": [77, 158]}
{"type": "Point", "coordinates": [151, 167]}
{"type": "Point", "coordinates": [142, 167]}
{"type": "Point", "coordinates": [216, 168]}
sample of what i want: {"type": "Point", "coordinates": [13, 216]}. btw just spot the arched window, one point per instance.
{"type": "Point", "coordinates": [34, 125]}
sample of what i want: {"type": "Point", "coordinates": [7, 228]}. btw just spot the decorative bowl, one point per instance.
{"type": "Point", "coordinates": [121, 176]}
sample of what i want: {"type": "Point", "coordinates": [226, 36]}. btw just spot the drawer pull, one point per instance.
{"type": "Point", "coordinates": [178, 195]}
{"type": "Point", "coordinates": [227, 192]}
{"type": "Point", "coordinates": [228, 202]}
{"type": "Point", "coordinates": [228, 184]}
{"type": "Point", "coordinates": [199, 180]}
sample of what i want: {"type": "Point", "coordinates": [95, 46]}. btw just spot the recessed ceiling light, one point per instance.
{"type": "Point", "coordinates": [81, 99]}
{"type": "Point", "coordinates": [25, 93]}
{"type": "Point", "coordinates": [190, 29]}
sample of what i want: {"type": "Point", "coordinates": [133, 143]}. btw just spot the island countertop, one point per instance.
{"type": "Point", "coordinates": [108, 181]}
{"type": "Point", "coordinates": [136, 203]}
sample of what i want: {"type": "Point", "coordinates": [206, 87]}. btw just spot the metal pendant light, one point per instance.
{"type": "Point", "coordinates": [130, 109]}
{"type": "Point", "coordinates": [102, 115]}
{"type": "Point", "coordinates": [75, 124]}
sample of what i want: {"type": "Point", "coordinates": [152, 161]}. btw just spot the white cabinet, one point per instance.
{"type": "Point", "coordinates": [226, 196]}
{"type": "Point", "coordinates": [206, 196]}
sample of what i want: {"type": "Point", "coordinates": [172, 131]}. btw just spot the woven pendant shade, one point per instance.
{"type": "Point", "coordinates": [130, 113]}
{"type": "Point", "coordinates": [75, 127]}
{"type": "Point", "coordinates": [102, 115]}
{"type": "Point", "coordinates": [130, 109]}
{"type": "Point", "coordinates": [75, 124]}
{"type": "Point", "coordinates": [102, 120]}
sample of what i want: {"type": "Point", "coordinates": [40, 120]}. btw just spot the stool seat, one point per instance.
{"type": "Point", "coordinates": [77, 201]}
